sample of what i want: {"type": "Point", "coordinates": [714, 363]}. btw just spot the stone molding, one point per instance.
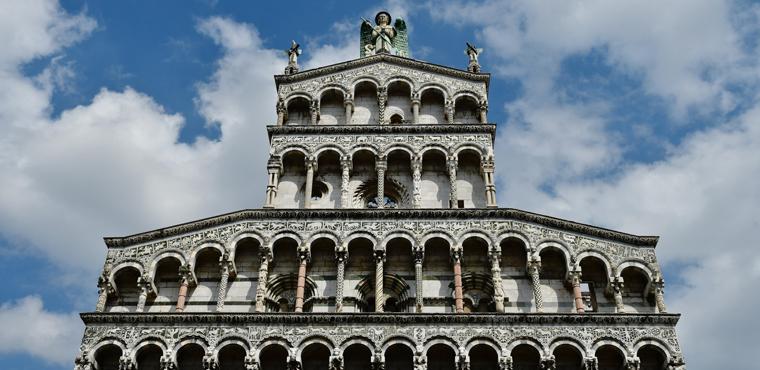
{"type": "Point", "coordinates": [489, 128]}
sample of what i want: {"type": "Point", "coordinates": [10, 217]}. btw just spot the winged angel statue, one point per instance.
{"type": "Point", "coordinates": [384, 38]}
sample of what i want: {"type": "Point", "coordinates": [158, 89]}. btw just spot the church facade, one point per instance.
{"type": "Point", "coordinates": [380, 245]}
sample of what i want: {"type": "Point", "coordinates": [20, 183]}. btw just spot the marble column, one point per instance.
{"type": "Point", "coordinates": [225, 265]}
{"type": "Point", "coordinates": [617, 293]}
{"type": "Point", "coordinates": [345, 197]}
{"type": "Point", "coordinates": [382, 100]}
{"type": "Point", "coordinates": [590, 363]}
{"type": "Point", "coordinates": [379, 276]}
{"type": "Point", "coordinates": [281, 112]}
{"type": "Point", "coordinates": [632, 363]}
{"type": "Point", "coordinates": [548, 362]}
{"type": "Point", "coordinates": [348, 103]}
{"type": "Point", "coordinates": [144, 285]}
{"type": "Point", "coordinates": [336, 360]}
{"type": "Point", "coordinates": [417, 181]}
{"type": "Point", "coordinates": [261, 286]}
{"type": "Point", "coordinates": [303, 260]}
{"type": "Point", "coordinates": [483, 110]}
{"type": "Point", "coordinates": [104, 288]}
{"type": "Point", "coordinates": [416, 108]}
{"type": "Point", "coordinates": [381, 165]}
{"type": "Point", "coordinates": [659, 294]}
{"type": "Point", "coordinates": [341, 256]}
{"type": "Point", "coordinates": [185, 274]}
{"type": "Point", "coordinates": [419, 255]}
{"type": "Point", "coordinates": [451, 164]}
{"type": "Point", "coordinates": [315, 112]}
{"type": "Point", "coordinates": [449, 110]}
{"type": "Point", "coordinates": [487, 170]}
{"type": "Point", "coordinates": [575, 280]}
{"type": "Point", "coordinates": [498, 285]}
{"type": "Point", "coordinates": [311, 167]}
{"type": "Point", "coordinates": [274, 168]}
{"type": "Point", "coordinates": [456, 257]}
{"type": "Point", "coordinates": [534, 266]}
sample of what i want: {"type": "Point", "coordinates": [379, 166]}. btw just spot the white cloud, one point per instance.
{"type": "Point", "coordinates": [29, 328]}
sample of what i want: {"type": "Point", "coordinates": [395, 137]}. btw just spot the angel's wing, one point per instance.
{"type": "Point", "coordinates": [365, 38]}
{"type": "Point", "coordinates": [401, 41]}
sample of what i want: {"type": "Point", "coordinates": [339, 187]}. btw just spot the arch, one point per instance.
{"type": "Point", "coordinates": [483, 340]}
{"type": "Point", "coordinates": [283, 235]}
{"type": "Point", "coordinates": [364, 147]}
{"type": "Point", "coordinates": [661, 346]}
{"type": "Point", "coordinates": [398, 339]}
{"type": "Point", "coordinates": [527, 341]}
{"type": "Point", "coordinates": [357, 340]}
{"type": "Point", "coordinates": [402, 147]}
{"type": "Point", "coordinates": [475, 234]}
{"type": "Point", "coordinates": [172, 253]}
{"type": "Point", "coordinates": [273, 345]}
{"type": "Point", "coordinates": [192, 339]}
{"type": "Point", "coordinates": [590, 253]}
{"type": "Point", "coordinates": [562, 341]}
{"type": "Point", "coordinates": [438, 234]}
{"type": "Point", "coordinates": [652, 355]}
{"type": "Point", "coordinates": [567, 355]}
{"type": "Point", "coordinates": [361, 79]}
{"type": "Point", "coordinates": [148, 341]}
{"type": "Point", "coordinates": [233, 244]}
{"type": "Point", "coordinates": [434, 147]}
{"type": "Point", "coordinates": [399, 234]}
{"type": "Point", "coordinates": [322, 149]}
{"type": "Point", "coordinates": [554, 244]}
{"type": "Point", "coordinates": [124, 265]}
{"type": "Point", "coordinates": [514, 234]}
{"type": "Point", "coordinates": [104, 342]}
{"type": "Point", "coordinates": [399, 78]}
{"type": "Point", "coordinates": [294, 148]}
{"type": "Point", "coordinates": [231, 341]}
{"type": "Point", "coordinates": [467, 147]}
{"type": "Point", "coordinates": [636, 263]}
{"type": "Point", "coordinates": [323, 235]}
{"type": "Point", "coordinates": [317, 339]}
{"type": "Point", "coordinates": [399, 356]}
{"type": "Point", "coordinates": [296, 95]}
{"type": "Point", "coordinates": [608, 341]}
{"type": "Point", "coordinates": [440, 339]}
{"type": "Point", "coordinates": [340, 88]}
{"type": "Point", "coordinates": [464, 93]}
{"type": "Point", "coordinates": [357, 235]}
{"type": "Point", "coordinates": [483, 356]}
{"type": "Point", "coordinates": [433, 85]}
{"type": "Point", "coordinates": [216, 245]}
{"type": "Point", "coordinates": [272, 341]}
{"type": "Point", "coordinates": [357, 356]}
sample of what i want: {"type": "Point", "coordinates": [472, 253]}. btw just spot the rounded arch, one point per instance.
{"type": "Point", "coordinates": [237, 238]}
{"type": "Point", "coordinates": [608, 341]}
{"type": "Point", "coordinates": [294, 148]}
{"type": "Point", "coordinates": [284, 235]}
{"type": "Point", "coordinates": [440, 339]}
{"type": "Point", "coordinates": [557, 245]}
{"type": "Point", "coordinates": [476, 234]}
{"type": "Point", "coordinates": [297, 95]}
{"type": "Point", "coordinates": [436, 86]}
{"type": "Point", "coordinates": [317, 339]}
{"type": "Point", "coordinates": [272, 341]}
{"type": "Point", "coordinates": [360, 235]}
{"type": "Point", "coordinates": [361, 79]}
{"type": "Point", "coordinates": [402, 79]}
{"type": "Point", "coordinates": [125, 265]}
{"type": "Point", "coordinates": [103, 343]}
{"type": "Point", "coordinates": [172, 253]}
{"type": "Point", "coordinates": [363, 147]}
{"type": "Point", "coordinates": [147, 341]}
{"type": "Point", "coordinates": [567, 341]}
{"type": "Point", "coordinates": [661, 346]}
{"type": "Point", "coordinates": [466, 93]}
{"type": "Point", "coordinates": [401, 147]}
{"type": "Point", "coordinates": [189, 340]}
{"type": "Point", "coordinates": [434, 147]}
{"type": "Point", "coordinates": [211, 244]}
{"type": "Point", "coordinates": [483, 340]}
{"type": "Point", "coordinates": [357, 340]}
{"type": "Point", "coordinates": [340, 88]}
{"type": "Point", "coordinates": [232, 340]}
{"type": "Point", "coordinates": [527, 341]}
{"type": "Point", "coordinates": [398, 339]}
{"type": "Point", "coordinates": [465, 147]}
{"type": "Point", "coordinates": [438, 234]}
{"type": "Point", "coordinates": [635, 263]}
{"type": "Point", "coordinates": [516, 235]}
{"type": "Point", "coordinates": [323, 235]}
{"type": "Point", "coordinates": [595, 254]}
{"type": "Point", "coordinates": [398, 234]}
{"type": "Point", "coordinates": [322, 149]}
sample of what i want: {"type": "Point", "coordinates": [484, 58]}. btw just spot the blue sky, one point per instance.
{"type": "Point", "coordinates": [119, 117]}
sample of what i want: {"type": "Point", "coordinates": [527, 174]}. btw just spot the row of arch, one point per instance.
{"type": "Point", "coordinates": [400, 254]}
{"type": "Point", "coordinates": [401, 353]}
{"type": "Point", "coordinates": [396, 102]}
{"type": "Point", "coordinates": [431, 178]}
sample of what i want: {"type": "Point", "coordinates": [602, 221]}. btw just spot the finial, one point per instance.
{"type": "Point", "coordinates": [473, 52]}
{"type": "Point", "coordinates": [293, 53]}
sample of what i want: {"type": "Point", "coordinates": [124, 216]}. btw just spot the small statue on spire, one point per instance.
{"type": "Point", "coordinates": [473, 52]}
{"type": "Point", "coordinates": [384, 38]}
{"type": "Point", "coordinates": [293, 53]}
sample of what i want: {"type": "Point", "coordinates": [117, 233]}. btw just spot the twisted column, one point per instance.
{"type": "Point", "coordinates": [379, 261]}
{"type": "Point", "coordinates": [498, 285]}
{"type": "Point", "coordinates": [125, 362]}
{"type": "Point", "coordinates": [505, 362]}
{"type": "Point", "coordinates": [456, 257]}
{"type": "Point", "coordinates": [345, 197]}
{"type": "Point", "coordinates": [534, 266]}
{"type": "Point", "coordinates": [224, 268]}
{"type": "Point", "coordinates": [575, 281]}
{"type": "Point", "coordinates": [381, 165]}
{"type": "Point", "coordinates": [659, 294]}
{"type": "Point", "coordinates": [591, 363]}
{"type": "Point", "coordinates": [348, 103]}
{"type": "Point", "coordinates": [341, 255]}
{"type": "Point", "coordinates": [261, 287]}
{"type": "Point", "coordinates": [281, 112]}
{"type": "Point", "coordinates": [303, 258]}
{"type": "Point", "coordinates": [451, 163]}
{"type": "Point", "coordinates": [449, 107]}
{"type": "Point", "coordinates": [417, 182]}
{"type": "Point", "coordinates": [483, 110]}
{"type": "Point", "coordinates": [632, 363]}
{"type": "Point", "coordinates": [311, 166]}
{"type": "Point", "coordinates": [274, 168]}
{"type": "Point", "coordinates": [382, 99]}
{"type": "Point", "coordinates": [419, 255]}
{"type": "Point", "coordinates": [314, 112]}
{"type": "Point", "coordinates": [617, 292]}
{"type": "Point", "coordinates": [185, 274]}
{"type": "Point", "coordinates": [549, 362]}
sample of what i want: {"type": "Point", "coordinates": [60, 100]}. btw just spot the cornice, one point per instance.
{"type": "Point", "coordinates": [388, 58]}
{"type": "Point", "coordinates": [384, 318]}
{"type": "Point", "coordinates": [382, 129]}
{"type": "Point", "coordinates": [383, 214]}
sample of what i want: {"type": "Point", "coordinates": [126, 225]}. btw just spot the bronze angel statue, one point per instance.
{"type": "Point", "coordinates": [384, 38]}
